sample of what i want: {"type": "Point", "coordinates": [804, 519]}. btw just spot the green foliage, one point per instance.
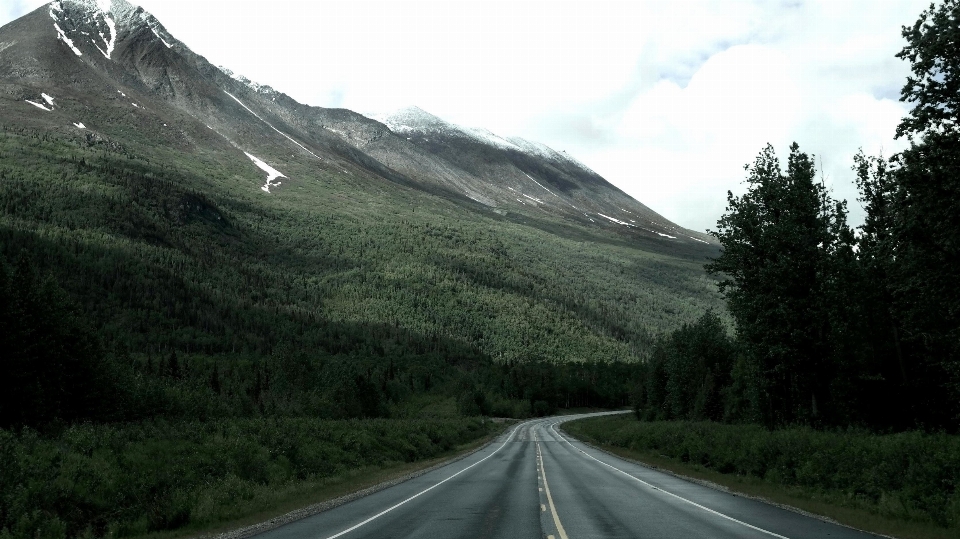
{"type": "Point", "coordinates": [788, 262]}
{"type": "Point", "coordinates": [934, 86]}
{"type": "Point", "coordinates": [830, 335]}
{"type": "Point", "coordinates": [910, 238]}
{"type": "Point", "coordinates": [909, 475]}
{"type": "Point", "coordinates": [924, 236]}
{"type": "Point", "coordinates": [127, 480]}
{"type": "Point", "coordinates": [52, 365]}
{"type": "Point", "coordinates": [922, 274]}
{"type": "Point", "coordinates": [688, 373]}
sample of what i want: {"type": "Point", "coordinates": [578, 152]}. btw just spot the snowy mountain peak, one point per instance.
{"type": "Point", "coordinates": [418, 121]}
{"type": "Point", "coordinates": [116, 10]}
{"type": "Point", "coordinates": [253, 85]}
{"type": "Point", "coordinates": [95, 25]}
{"type": "Point", "coordinates": [414, 120]}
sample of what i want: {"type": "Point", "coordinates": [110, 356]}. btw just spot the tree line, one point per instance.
{"type": "Point", "coordinates": [835, 325]}
{"type": "Point", "coordinates": [56, 370]}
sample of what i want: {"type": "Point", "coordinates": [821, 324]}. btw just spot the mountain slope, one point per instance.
{"type": "Point", "coordinates": [132, 48]}
{"type": "Point", "coordinates": [192, 209]}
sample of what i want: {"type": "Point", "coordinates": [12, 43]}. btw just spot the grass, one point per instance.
{"type": "Point", "coordinates": [893, 512]}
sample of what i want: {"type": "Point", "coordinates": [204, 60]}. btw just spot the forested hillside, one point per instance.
{"type": "Point", "coordinates": [163, 257]}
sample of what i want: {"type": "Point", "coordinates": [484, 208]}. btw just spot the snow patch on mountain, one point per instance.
{"type": "Point", "coordinates": [538, 183]}
{"type": "Point", "coordinates": [576, 161]}
{"type": "Point", "coordinates": [631, 225]}
{"type": "Point", "coordinates": [48, 98]}
{"type": "Point", "coordinates": [38, 105]}
{"type": "Point", "coordinates": [534, 148]}
{"type": "Point", "coordinates": [88, 20]}
{"type": "Point", "coordinates": [537, 149]}
{"type": "Point", "coordinates": [154, 30]}
{"type": "Point", "coordinates": [537, 200]}
{"type": "Point", "coordinates": [551, 192]}
{"type": "Point", "coordinates": [615, 220]}
{"type": "Point", "coordinates": [414, 120]}
{"type": "Point", "coordinates": [79, 125]}
{"type": "Point", "coordinates": [158, 30]}
{"type": "Point", "coordinates": [97, 15]}
{"type": "Point", "coordinates": [272, 173]}
{"type": "Point", "coordinates": [410, 120]}
{"type": "Point", "coordinates": [112, 41]}
{"type": "Point", "coordinates": [61, 35]}
{"type": "Point", "coordinates": [488, 137]}
{"type": "Point", "coordinates": [304, 148]}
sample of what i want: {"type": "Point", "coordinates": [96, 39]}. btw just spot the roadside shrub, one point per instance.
{"type": "Point", "coordinates": [126, 480]}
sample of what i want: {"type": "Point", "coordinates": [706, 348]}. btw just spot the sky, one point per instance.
{"type": "Point", "coordinates": [667, 100]}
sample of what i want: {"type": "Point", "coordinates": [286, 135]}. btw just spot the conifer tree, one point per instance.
{"type": "Point", "coordinates": [780, 283]}
{"type": "Point", "coordinates": [924, 231]}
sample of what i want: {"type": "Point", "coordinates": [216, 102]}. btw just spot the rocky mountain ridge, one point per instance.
{"type": "Point", "coordinates": [114, 69]}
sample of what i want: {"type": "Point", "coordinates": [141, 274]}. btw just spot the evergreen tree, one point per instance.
{"type": "Point", "coordinates": [781, 286]}
{"type": "Point", "coordinates": [53, 366]}
{"type": "Point", "coordinates": [888, 390]}
{"type": "Point", "coordinates": [924, 232]}
{"type": "Point", "coordinates": [687, 374]}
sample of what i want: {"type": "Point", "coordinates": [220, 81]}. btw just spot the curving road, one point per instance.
{"type": "Point", "coordinates": [536, 482]}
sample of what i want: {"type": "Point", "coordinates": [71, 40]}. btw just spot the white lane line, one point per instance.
{"type": "Point", "coordinates": [695, 504]}
{"type": "Point", "coordinates": [424, 491]}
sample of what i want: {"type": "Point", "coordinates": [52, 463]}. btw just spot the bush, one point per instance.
{"type": "Point", "coordinates": [133, 479]}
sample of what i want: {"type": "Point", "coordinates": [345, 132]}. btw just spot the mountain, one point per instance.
{"type": "Point", "coordinates": [121, 144]}
{"type": "Point", "coordinates": [119, 56]}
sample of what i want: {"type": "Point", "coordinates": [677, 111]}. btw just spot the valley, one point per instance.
{"type": "Point", "coordinates": [220, 305]}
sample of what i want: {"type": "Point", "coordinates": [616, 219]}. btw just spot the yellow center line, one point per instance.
{"type": "Point", "coordinates": [546, 489]}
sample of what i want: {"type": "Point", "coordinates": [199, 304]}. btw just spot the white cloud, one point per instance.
{"type": "Point", "coordinates": [821, 74]}
{"type": "Point", "coordinates": [668, 99]}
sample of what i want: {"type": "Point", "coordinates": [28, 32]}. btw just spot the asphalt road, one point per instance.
{"type": "Point", "coordinates": [536, 482]}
